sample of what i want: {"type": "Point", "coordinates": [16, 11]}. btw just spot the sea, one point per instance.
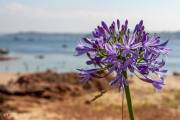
{"type": "Point", "coordinates": [36, 52]}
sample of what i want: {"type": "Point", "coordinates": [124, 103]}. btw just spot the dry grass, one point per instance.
{"type": "Point", "coordinates": [148, 104]}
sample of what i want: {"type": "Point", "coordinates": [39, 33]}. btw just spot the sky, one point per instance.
{"type": "Point", "coordinates": [78, 16]}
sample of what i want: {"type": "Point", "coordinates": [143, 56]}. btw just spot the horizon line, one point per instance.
{"type": "Point", "coordinates": [48, 32]}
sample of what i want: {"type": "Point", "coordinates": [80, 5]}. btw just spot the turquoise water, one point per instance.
{"type": "Point", "coordinates": [58, 50]}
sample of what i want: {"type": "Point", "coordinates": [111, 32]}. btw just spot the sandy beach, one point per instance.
{"type": "Point", "coordinates": [72, 101]}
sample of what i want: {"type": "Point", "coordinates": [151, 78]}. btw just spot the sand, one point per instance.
{"type": "Point", "coordinates": [7, 76]}
{"type": "Point", "coordinates": [148, 103]}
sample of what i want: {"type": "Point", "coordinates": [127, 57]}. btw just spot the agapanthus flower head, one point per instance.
{"type": "Point", "coordinates": [117, 49]}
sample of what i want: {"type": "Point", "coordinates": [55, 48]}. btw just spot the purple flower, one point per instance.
{"type": "Point", "coordinates": [152, 45]}
{"type": "Point", "coordinates": [116, 49]}
{"type": "Point", "coordinates": [118, 24]}
{"type": "Point", "coordinates": [105, 27]}
{"type": "Point", "coordinates": [129, 45]}
{"type": "Point", "coordinates": [156, 83]}
{"type": "Point", "coordinates": [86, 75]}
{"type": "Point", "coordinates": [82, 48]}
{"type": "Point", "coordinates": [143, 69]}
{"type": "Point", "coordinates": [119, 81]}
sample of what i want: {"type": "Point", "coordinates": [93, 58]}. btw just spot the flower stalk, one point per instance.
{"type": "Point", "coordinates": [128, 98]}
{"type": "Point", "coordinates": [129, 103]}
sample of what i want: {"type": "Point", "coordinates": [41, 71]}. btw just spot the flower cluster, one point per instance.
{"type": "Point", "coordinates": [116, 49]}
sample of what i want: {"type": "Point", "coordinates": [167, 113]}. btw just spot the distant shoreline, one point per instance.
{"type": "Point", "coordinates": [163, 34]}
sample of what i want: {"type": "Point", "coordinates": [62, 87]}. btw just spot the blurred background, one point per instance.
{"type": "Point", "coordinates": [41, 35]}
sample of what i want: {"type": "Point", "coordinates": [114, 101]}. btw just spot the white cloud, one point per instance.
{"type": "Point", "coordinates": [18, 9]}
{"type": "Point", "coordinates": [14, 8]}
{"type": "Point", "coordinates": [15, 16]}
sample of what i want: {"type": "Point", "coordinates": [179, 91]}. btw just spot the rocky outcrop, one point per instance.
{"type": "Point", "coordinates": [51, 85]}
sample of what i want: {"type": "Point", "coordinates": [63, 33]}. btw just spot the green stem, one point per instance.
{"type": "Point", "coordinates": [128, 98]}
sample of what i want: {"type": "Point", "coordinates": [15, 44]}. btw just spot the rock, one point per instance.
{"type": "Point", "coordinates": [176, 73]}
{"type": "Point", "coordinates": [7, 58]}
{"type": "Point", "coordinates": [4, 51]}
{"type": "Point", "coordinates": [51, 85]}
{"type": "Point", "coordinates": [40, 56]}
{"type": "Point", "coordinates": [5, 116]}
{"type": "Point", "coordinates": [64, 46]}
